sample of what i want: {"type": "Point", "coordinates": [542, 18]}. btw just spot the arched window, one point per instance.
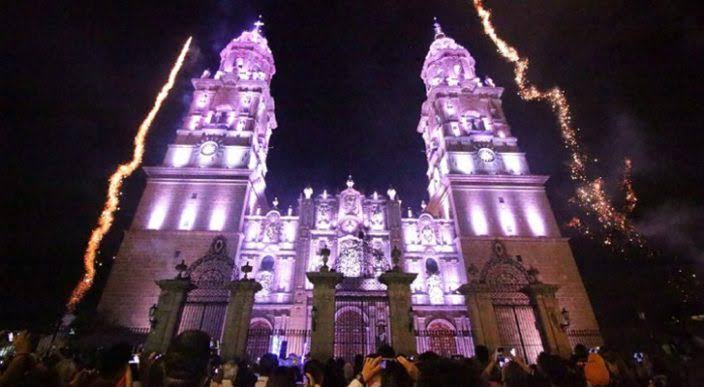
{"type": "Point", "coordinates": [433, 282]}
{"type": "Point", "coordinates": [267, 263]}
{"type": "Point", "coordinates": [265, 276]}
{"type": "Point", "coordinates": [431, 266]}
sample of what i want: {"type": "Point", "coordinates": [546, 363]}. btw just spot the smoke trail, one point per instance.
{"type": "Point", "coordinates": [590, 193]}
{"type": "Point", "coordinates": [113, 196]}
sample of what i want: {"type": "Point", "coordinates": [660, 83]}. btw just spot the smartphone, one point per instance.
{"type": "Point", "coordinates": [594, 349]}
{"type": "Point", "coordinates": [134, 360]}
{"type": "Point", "coordinates": [411, 358]}
{"type": "Point", "coordinates": [512, 351]}
{"type": "Point", "coordinates": [503, 361]}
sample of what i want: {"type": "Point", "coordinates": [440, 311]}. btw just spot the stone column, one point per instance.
{"type": "Point", "coordinates": [485, 327]}
{"type": "Point", "coordinates": [167, 313]}
{"type": "Point", "coordinates": [548, 315]}
{"type": "Point", "coordinates": [323, 318]}
{"type": "Point", "coordinates": [401, 315]}
{"type": "Point", "coordinates": [239, 313]}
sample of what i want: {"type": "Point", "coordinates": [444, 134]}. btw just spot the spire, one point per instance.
{"type": "Point", "coordinates": [438, 29]}
{"type": "Point", "coordinates": [258, 25]}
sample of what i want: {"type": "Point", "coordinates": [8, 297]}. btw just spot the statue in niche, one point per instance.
{"type": "Point", "coordinates": [322, 216]}
{"type": "Point", "coordinates": [428, 235]}
{"type": "Point", "coordinates": [377, 216]}
{"type": "Point", "coordinates": [349, 204]}
{"type": "Point", "coordinates": [272, 231]}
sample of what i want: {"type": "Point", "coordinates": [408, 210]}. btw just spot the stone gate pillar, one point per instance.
{"type": "Point", "coordinates": [482, 317]}
{"type": "Point", "coordinates": [239, 313]}
{"type": "Point", "coordinates": [549, 317]}
{"type": "Point", "coordinates": [400, 313]}
{"type": "Point", "coordinates": [323, 319]}
{"type": "Point", "coordinates": [165, 316]}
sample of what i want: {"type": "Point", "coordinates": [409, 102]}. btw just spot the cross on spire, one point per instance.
{"type": "Point", "coordinates": [258, 24]}
{"type": "Point", "coordinates": [437, 28]}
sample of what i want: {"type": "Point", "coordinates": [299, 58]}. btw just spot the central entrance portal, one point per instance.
{"type": "Point", "coordinates": [361, 324]}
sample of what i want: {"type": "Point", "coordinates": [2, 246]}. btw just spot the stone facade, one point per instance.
{"type": "Point", "coordinates": [488, 224]}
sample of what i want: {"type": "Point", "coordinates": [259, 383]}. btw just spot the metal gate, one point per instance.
{"type": "Point", "coordinates": [361, 325]}
{"type": "Point", "coordinates": [518, 329]}
{"type": "Point", "coordinates": [204, 310]}
{"type": "Point", "coordinates": [258, 339]}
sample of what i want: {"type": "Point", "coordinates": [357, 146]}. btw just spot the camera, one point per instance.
{"type": "Point", "coordinates": [385, 361]}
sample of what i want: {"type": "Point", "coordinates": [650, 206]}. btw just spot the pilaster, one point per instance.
{"type": "Point", "coordinates": [485, 328]}
{"type": "Point", "coordinates": [547, 310]}
{"type": "Point", "coordinates": [323, 316]}
{"type": "Point", "coordinates": [239, 312]}
{"type": "Point", "coordinates": [167, 313]}
{"type": "Point", "coordinates": [401, 315]}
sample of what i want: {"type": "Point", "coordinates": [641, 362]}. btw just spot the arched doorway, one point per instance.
{"type": "Point", "coordinates": [441, 338]}
{"type": "Point", "coordinates": [350, 333]}
{"type": "Point", "coordinates": [205, 306]}
{"type": "Point", "coordinates": [258, 338]}
{"type": "Point", "coordinates": [505, 278]}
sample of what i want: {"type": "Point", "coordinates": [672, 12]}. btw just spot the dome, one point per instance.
{"type": "Point", "coordinates": [249, 56]}
{"type": "Point", "coordinates": [447, 63]}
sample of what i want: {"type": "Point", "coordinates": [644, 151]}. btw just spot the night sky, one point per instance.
{"type": "Point", "coordinates": [78, 79]}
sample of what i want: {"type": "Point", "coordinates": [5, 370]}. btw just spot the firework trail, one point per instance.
{"type": "Point", "coordinates": [627, 183]}
{"type": "Point", "coordinates": [113, 196]}
{"type": "Point", "coordinates": [590, 193]}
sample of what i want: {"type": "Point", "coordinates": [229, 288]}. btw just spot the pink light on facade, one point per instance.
{"type": "Point", "coordinates": [202, 100]}
{"type": "Point", "coordinates": [535, 221]}
{"type": "Point", "coordinates": [217, 219]}
{"type": "Point", "coordinates": [193, 122]}
{"type": "Point", "coordinates": [464, 162]}
{"type": "Point", "coordinates": [508, 221]}
{"type": "Point", "coordinates": [181, 156]}
{"type": "Point", "coordinates": [479, 222]}
{"type": "Point", "coordinates": [512, 162]}
{"type": "Point", "coordinates": [188, 217]}
{"type": "Point", "coordinates": [158, 215]}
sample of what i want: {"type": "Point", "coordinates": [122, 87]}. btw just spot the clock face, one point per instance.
{"type": "Point", "coordinates": [486, 155]}
{"type": "Point", "coordinates": [209, 148]}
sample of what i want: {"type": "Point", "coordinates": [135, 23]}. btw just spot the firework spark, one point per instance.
{"type": "Point", "coordinates": [123, 171]}
{"type": "Point", "coordinates": [590, 192]}
{"type": "Point", "coordinates": [627, 183]}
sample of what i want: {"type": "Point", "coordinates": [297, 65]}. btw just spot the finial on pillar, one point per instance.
{"type": "Point", "coordinates": [325, 254]}
{"type": "Point", "coordinates": [308, 192]}
{"type": "Point", "coordinates": [246, 269]}
{"type": "Point", "coordinates": [275, 202]}
{"type": "Point", "coordinates": [423, 205]}
{"type": "Point", "coordinates": [396, 258]}
{"type": "Point", "coordinates": [392, 193]}
{"type": "Point", "coordinates": [350, 182]}
{"type": "Point", "coordinates": [438, 29]}
{"type": "Point", "coordinates": [181, 270]}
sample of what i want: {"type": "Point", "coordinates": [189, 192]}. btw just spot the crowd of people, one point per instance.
{"type": "Point", "coordinates": [191, 362]}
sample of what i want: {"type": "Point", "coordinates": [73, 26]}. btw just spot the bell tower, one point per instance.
{"type": "Point", "coordinates": [480, 179]}
{"type": "Point", "coordinates": [212, 177]}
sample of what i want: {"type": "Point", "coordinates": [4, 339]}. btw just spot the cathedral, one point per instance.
{"type": "Point", "coordinates": [480, 247]}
